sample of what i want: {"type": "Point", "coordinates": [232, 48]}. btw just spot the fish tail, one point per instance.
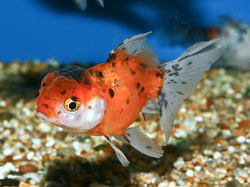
{"type": "Point", "coordinates": [181, 77]}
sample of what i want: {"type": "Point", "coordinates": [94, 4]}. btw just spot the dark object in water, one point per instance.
{"type": "Point", "coordinates": [8, 182]}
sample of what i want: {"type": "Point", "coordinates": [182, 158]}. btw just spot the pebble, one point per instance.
{"type": "Point", "coordinates": [231, 149]}
{"type": "Point", "coordinates": [35, 176]}
{"type": "Point", "coordinates": [30, 155]}
{"type": "Point", "coordinates": [217, 155]}
{"type": "Point", "coordinates": [233, 183]}
{"type": "Point", "coordinates": [241, 139]}
{"type": "Point", "coordinates": [27, 168]}
{"type": "Point", "coordinates": [212, 132]}
{"type": "Point", "coordinates": [172, 184]}
{"type": "Point", "coordinates": [190, 173]}
{"type": "Point", "coordinates": [163, 184]}
{"type": "Point", "coordinates": [50, 143]}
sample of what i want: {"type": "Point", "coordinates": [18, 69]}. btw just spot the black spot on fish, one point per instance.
{"type": "Point", "coordinates": [113, 64]}
{"type": "Point", "coordinates": [112, 56]}
{"type": "Point", "coordinates": [127, 101]}
{"type": "Point", "coordinates": [142, 89]}
{"type": "Point", "coordinates": [132, 72]}
{"type": "Point", "coordinates": [89, 107]}
{"type": "Point", "coordinates": [44, 84]}
{"type": "Point", "coordinates": [126, 59]}
{"type": "Point", "coordinates": [86, 81]}
{"type": "Point", "coordinates": [103, 90]}
{"type": "Point", "coordinates": [183, 82]}
{"type": "Point", "coordinates": [90, 71]}
{"type": "Point", "coordinates": [59, 112]}
{"type": "Point", "coordinates": [159, 75]}
{"type": "Point", "coordinates": [137, 85]}
{"type": "Point", "coordinates": [99, 74]}
{"type": "Point", "coordinates": [45, 105]}
{"type": "Point", "coordinates": [189, 63]}
{"type": "Point", "coordinates": [63, 92]}
{"type": "Point", "coordinates": [75, 72]}
{"type": "Point", "coordinates": [180, 93]}
{"type": "Point", "coordinates": [143, 65]}
{"type": "Point", "coordinates": [128, 134]}
{"type": "Point", "coordinates": [148, 147]}
{"type": "Point", "coordinates": [111, 92]}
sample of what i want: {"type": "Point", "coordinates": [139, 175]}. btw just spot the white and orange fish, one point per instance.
{"type": "Point", "coordinates": [82, 4]}
{"type": "Point", "coordinates": [107, 98]}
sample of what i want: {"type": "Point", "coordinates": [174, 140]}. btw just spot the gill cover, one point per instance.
{"type": "Point", "coordinates": [69, 99]}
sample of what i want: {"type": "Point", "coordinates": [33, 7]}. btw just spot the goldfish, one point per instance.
{"type": "Point", "coordinates": [106, 99]}
{"type": "Point", "coordinates": [82, 4]}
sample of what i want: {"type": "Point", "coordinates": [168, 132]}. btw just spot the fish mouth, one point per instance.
{"type": "Point", "coordinates": [45, 118]}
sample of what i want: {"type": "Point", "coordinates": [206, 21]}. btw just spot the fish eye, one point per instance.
{"type": "Point", "coordinates": [72, 104]}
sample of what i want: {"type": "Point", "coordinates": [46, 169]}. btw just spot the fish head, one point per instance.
{"type": "Point", "coordinates": [69, 99]}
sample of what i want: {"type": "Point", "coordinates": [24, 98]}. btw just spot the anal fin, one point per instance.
{"type": "Point", "coordinates": [141, 142]}
{"type": "Point", "coordinates": [121, 157]}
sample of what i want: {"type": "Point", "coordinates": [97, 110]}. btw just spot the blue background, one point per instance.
{"type": "Point", "coordinates": [43, 29]}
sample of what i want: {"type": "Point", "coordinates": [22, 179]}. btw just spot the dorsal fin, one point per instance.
{"type": "Point", "coordinates": [138, 49]}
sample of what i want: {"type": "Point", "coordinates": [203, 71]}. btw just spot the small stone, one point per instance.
{"type": "Point", "coordinates": [35, 176]}
{"type": "Point", "coordinates": [212, 132]}
{"type": "Point", "coordinates": [163, 184]}
{"type": "Point", "coordinates": [172, 184]}
{"type": "Point", "coordinates": [244, 124]}
{"type": "Point", "coordinates": [231, 149]}
{"type": "Point", "coordinates": [27, 168]}
{"type": "Point", "coordinates": [240, 132]}
{"type": "Point", "coordinates": [50, 143]}
{"type": "Point", "coordinates": [8, 158]}
{"type": "Point", "coordinates": [217, 155]}
{"type": "Point", "coordinates": [220, 173]}
{"type": "Point", "coordinates": [174, 176]}
{"type": "Point", "coordinates": [190, 173]}
{"type": "Point", "coordinates": [204, 184]}
{"type": "Point", "coordinates": [233, 183]}
{"type": "Point", "coordinates": [44, 127]}
{"type": "Point", "coordinates": [241, 139]}
{"type": "Point", "coordinates": [30, 155]}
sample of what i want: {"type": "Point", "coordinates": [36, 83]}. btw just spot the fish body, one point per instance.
{"type": "Point", "coordinates": [107, 98]}
{"type": "Point", "coordinates": [82, 4]}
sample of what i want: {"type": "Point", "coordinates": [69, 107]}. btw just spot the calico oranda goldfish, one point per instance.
{"type": "Point", "coordinates": [82, 4]}
{"type": "Point", "coordinates": [107, 98]}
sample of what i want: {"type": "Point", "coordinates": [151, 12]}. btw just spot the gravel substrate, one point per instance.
{"type": "Point", "coordinates": [209, 146]}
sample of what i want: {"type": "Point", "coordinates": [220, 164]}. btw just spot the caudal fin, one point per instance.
{"type": "Point", "coordinates": [182, 76]}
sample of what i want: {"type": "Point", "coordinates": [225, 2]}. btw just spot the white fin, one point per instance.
{"type": "Point", "coordinates": [182, 76]}
{"type": "Point", "coordinates": [141, 142]}
{"type": "Point", "coordinates": [120, 138]}
{"type": "Point", "coordinates": [146, 116]}
{"type": "Point", "coordinates": [136, 48]}
{"type": "Point", "coordinates": [150, 108]}
{"type": "Point", "coordinates": [121, 157]}
{"type": "Point", "coordinates": [100, 2]}
{"type": "Point", "coordinates": [81, 4]}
